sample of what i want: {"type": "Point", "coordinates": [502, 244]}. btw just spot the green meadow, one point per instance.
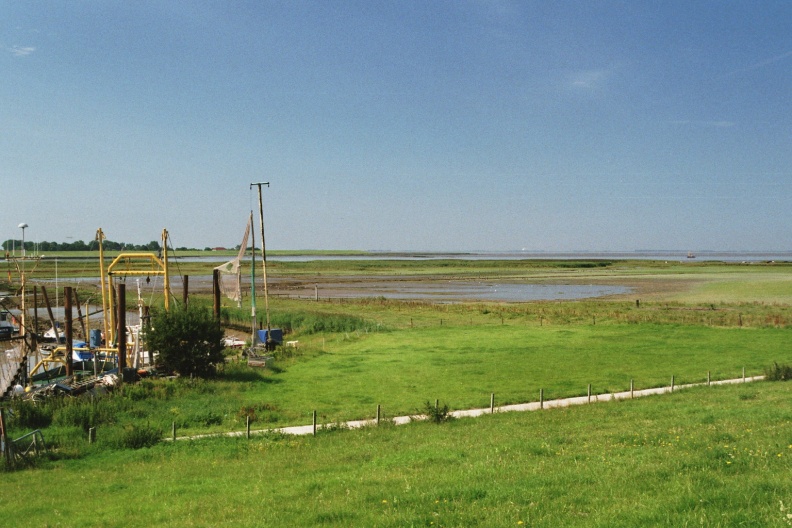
{"type": "Point", "coordinates": [710, 456]}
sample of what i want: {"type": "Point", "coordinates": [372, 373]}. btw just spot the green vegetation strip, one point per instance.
{"type": "Point", "coordinates": [716, 456]}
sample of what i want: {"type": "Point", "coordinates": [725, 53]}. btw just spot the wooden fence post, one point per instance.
{"type": "Point", "coordinates": [378, 413]}
{"type": "Point", "coordinates": [314, 423]}
{"type": "Point", "coordinates": [589, 393]}
{"type": "Point", "coordinates": [632, 389]}
{"type": "Point", "coordinates": [708, 378]}
{"type": "Point", "coordinates": [247, 426]}
{"type": "Point", "coordinates": [743, 374]}
{"type": "Point", "coordinates": [92, 435]}
{"type": "Point", "coordinates": [492, 403]}
{"type": "Point", "coordinates": [7, 453]}
{"type": "Point", "coordinates": [672, 383]}
{"type": "Point", "coordinates": [173, 431]}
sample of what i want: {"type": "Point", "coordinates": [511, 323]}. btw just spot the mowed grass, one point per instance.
{"type": "Point", "coordinates": [345, 377]}
{"type": "Point", "coordinates": [463, 366]}
{"type": "Point", "coordinates": [718, 456]}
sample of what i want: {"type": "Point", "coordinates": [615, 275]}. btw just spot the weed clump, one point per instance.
{"type": "Point", "coordinates": [138, 436]}
{"type": "Point", "coordinates": [436, 413]}
{"type": "Point", "coordinates": [778, 372]}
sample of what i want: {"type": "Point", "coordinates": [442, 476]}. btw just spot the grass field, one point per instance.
{"type": "Point", "coordinates": [712, 457]}
{"type": "Point", "coordinates": [701, 457]}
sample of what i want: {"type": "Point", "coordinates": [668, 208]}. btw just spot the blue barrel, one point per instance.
{"type": "Point", "coordinates": [96, 338]}
{"type": "Point", "coordinates": [277, 336]}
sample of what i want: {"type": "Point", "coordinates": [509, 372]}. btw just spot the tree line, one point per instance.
{"type": "Point", "coordinates": [78, 245]}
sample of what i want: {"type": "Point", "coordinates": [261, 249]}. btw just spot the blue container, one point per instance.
{"type": "Point", "coordinates": [96, 338]}
{"type": "Point", "coordinates": [277, 336]}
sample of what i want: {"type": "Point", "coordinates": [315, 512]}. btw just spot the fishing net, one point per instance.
{"type": "Point", "coordinates": [230, 279]}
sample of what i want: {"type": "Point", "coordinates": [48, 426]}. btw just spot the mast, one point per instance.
{"type": "Point", "coordinates": [105, 290]}
{"type": "Point", "coordinates": [264, 259]}
{"type": "Point", "coordinates": [253, 283]}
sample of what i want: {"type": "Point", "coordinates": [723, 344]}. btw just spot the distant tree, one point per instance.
{"type": "Point", "coordinates": [188, 341]}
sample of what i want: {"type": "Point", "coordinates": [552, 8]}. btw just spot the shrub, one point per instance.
{"type": "Point", "coordinates": [188, 341]}
{"type": "Point", "coordinates": [778, 372]}
{"type": "Point", "coordinates": [436, 413]}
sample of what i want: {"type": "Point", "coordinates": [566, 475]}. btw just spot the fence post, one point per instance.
{"type": "Point", "coordinates": [173, 431]}
{"type": "Point", "coordinates": [247, 426]}
{"type": "Point", "coordinates": [589, 393]}
{"type": "Point", "coordinates": [672, 383]}
{"type": "Point", "coordinates": [541, 398]}
{"type": "Point", "coordinates": [743, 374]}
{"type": "Point", "coordinates": [7, 454]}
{"type": "Point", "coordinates": [492, 403]}
{"type": "Point", "coordinates": [632, 389]}
{"type": "Point", "coordinates": [314, 423]}
{"type": "Point", "coordinates": [378, 413]}
{"type": "Point", "coordinates": [92, 435]}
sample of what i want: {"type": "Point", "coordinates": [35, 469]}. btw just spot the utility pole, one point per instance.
{"type": "Point", "coordinates": [264, 261]}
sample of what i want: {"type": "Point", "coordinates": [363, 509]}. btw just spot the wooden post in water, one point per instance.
{"type": "Point", "coordinates": [121, 332]}
{"type": "Point", "coordinates": [67, 316]}
{"type": "Point", "coordinates": [216, 293]}
{"type": "Point", "coordinates": [185, 290]}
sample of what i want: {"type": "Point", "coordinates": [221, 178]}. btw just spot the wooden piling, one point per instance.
{"type": "Point", "coordinates": [185, 290]}
{"type": "Point", "coordinates": [67, 316]}
{"type": "Point", "coordinates": [216, 292]}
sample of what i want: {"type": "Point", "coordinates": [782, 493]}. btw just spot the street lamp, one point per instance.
{"type": "Point", "coordinates": [22, 226]}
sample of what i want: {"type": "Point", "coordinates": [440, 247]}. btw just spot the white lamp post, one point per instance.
{"type": "Point", "coordinates": [22, 226]}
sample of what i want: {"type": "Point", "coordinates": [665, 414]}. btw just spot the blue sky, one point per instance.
{"type": "Point", "coordinates": [464, 125]}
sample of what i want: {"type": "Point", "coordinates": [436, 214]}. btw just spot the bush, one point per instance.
{"type": "Point", "coordinates": [188, 341]}
{"type": "Point", "coordinates": [778, 372]}
{"type": "Point", "coordinates": [436, 413]}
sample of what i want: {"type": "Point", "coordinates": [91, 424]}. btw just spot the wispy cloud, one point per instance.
{"type": "Point", "coordinates": [700, 123]}
{"type": "Point", "coordinates": [21, 51]}
{"type": "Point", "coordinates": [588, 78]}
{"type": "Point", "coordinates": [760, 64]}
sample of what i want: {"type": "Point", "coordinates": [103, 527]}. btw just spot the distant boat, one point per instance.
{"type": "Point", "coordinates": [691, 255]}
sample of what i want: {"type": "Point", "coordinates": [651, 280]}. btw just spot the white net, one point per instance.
{"type": "Point", "coordinates": [230, 275]}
